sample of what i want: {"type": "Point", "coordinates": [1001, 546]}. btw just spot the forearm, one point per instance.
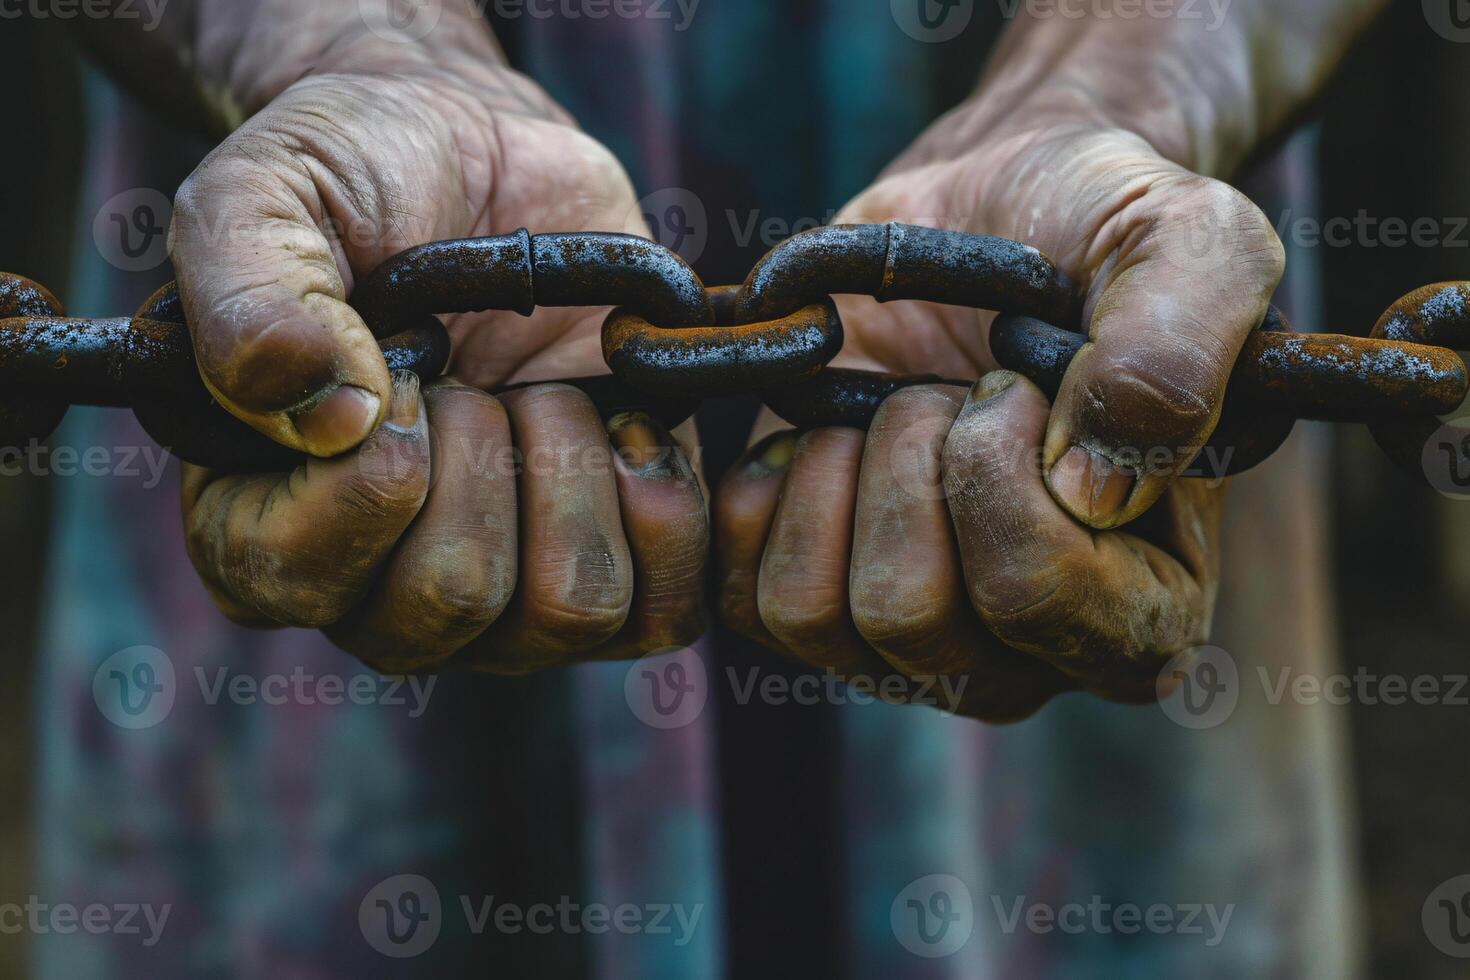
{"type": "Point", "coordinates": [220, 61]}
{"type": "Point", "coordinates": [1204, 89]}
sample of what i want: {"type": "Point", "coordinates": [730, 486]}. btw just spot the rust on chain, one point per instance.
{"type": "Point", "coordinates": [671, 342]}
{"type": "Point", "coordinates": [905, 262]}
{"type": "Point", "coordinates": [1280, 376]}
{"type": "Point", "coordinates": [522, 271]}
{"type": "Point", "coordinates": [725, 359]}
{"type": "Point", "coordinates": [146, 362]}
{"type": "Point", "coordinates": [1437, 315]}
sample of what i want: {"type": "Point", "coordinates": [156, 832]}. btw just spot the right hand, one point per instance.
{"type": "Point", "coordinates": [402, 539]}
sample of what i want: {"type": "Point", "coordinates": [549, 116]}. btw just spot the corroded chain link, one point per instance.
{"type": "Point", "coordinates": [671, 342]}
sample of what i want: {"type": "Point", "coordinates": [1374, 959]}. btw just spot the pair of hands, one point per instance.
{"type": "Point", "coordinates": [969, 533]}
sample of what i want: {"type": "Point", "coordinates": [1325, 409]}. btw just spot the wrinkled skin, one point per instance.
{"type": "Point", "coordinates": [507, 534]}
{"type": "Point", "coordinates": [965, 536]}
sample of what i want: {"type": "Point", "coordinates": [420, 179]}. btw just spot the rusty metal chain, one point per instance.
{"type": "Point", "coordinates": [671, 342]}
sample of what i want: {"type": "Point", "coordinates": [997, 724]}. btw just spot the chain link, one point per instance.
{"type": "Point", "coordinates": [672, 342]}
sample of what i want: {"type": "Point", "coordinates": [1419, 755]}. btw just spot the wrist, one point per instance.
{"type": "Point", "coordinates": [249, 53]}
{"type": "Point", "coordinates": [1205, 92]}
{"type": "Point", "coordinates": [1187, 98]}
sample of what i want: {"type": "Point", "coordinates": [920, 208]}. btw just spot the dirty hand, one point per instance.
{"type": "Point", "coordinates": [440, 525]}
{"type": "Point", "coordinates": [1026, 547]}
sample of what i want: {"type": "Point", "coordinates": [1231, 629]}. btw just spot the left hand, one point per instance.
{"type": "Point", "coordinates": [978, 535]}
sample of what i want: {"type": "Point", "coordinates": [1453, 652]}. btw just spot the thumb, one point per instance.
{"type": "Point", "coordinates": [274, 338]}
{"type": "Point", "coordinates": [1190, 275]}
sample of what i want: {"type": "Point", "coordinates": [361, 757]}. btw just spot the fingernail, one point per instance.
{"type": "Point", "coordinates": [1093, 488]}
{"type": "Point", "coordinates": [403, 410]}
{"type": "Point", "coordinates": [643, 443]}
{"type": "Point", "coordinates": [992, 384]}
{"type": "Point", "coordinates": [774, 455]}
{"type": "Point", "coordinates": [338, 422]}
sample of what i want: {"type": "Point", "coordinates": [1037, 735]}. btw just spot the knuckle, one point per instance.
{"type": "Point", "coordinates": [557, 623]}
{"type": "Point", "coordinates": [391, 490]}
{"type": "Point", "coordinates": [914, 406]}
{"type": "Point", "coordinates": [1174, 388]}
{"type": "Point", "coordinates": [899, 619]}
{"type": "Point", "coordinates": [800, 617]}
{"type": "Point", "coordinates": [550, 399]}
{"type": "Point", "coordinates": [579, 601]}
{"type": "Point", "coordinates": [453, 596]}
{"type": "Point", "coordinates": [1042, 611]}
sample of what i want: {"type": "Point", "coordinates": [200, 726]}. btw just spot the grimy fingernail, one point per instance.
{"type": "Point", "coordinates": [992, 384]}
{"type": "Point", "coordinates": [773, 454]}
{"type": "Point", "coordinates": [338, 422]}
{"type": "Point", "coordinates": [642, 442]}
{"type": "Point", "coordinates": [1090, 486]}
{"type": "Point", "coordinates": [403, 410]}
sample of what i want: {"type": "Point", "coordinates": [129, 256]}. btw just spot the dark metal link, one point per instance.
{"type": "Point", "coordinates": [49, 362]}
{"type": "Point", "coordinates": [722, 360]}
{"type": "Point", "coordinates": [1438, 314]}
{"type": "Point", "coordinates": [896, 261]}
{"type": "Point", "coordinates": [520, 272]}
{"type": "Point", "coordinates": [672, 343]}
{"type": "Point", "coordinates": [1281, 376]}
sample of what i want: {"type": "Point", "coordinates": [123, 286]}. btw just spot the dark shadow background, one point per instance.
{"type": "Point", "coordinates": [1395, 143]}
